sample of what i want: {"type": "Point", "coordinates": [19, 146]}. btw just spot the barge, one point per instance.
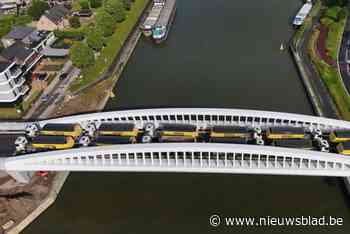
{"type": "Point", "coordinates": [302, 14]}
{"type": "Point", "coordinates": [162, 27]}
{"type": "Point", "coordinates": [152, 18]}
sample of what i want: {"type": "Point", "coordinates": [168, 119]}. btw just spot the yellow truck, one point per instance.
{"type": "Point", "coordinates": [62, 129]}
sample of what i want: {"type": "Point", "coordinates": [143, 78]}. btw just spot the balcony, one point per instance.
{"type": "Point", "coordinates": [14, 73]}
{"type": "Point", "coordinates": [31, 61]}
{"type": "Point", "coordinates": [23, 89]}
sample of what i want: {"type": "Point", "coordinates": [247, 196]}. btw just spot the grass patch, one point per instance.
{"type": "Point", "coordinates": [114, 44]}
{"type": "Point", "coordinates": [334, 37]}
{"type": "Point", "coordinates": [331, 78]}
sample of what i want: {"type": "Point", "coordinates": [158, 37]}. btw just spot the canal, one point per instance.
{"type": "Point", "coordinates": [219, 54]}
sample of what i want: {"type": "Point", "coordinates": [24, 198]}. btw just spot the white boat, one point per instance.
{"type": "Point", "coordinates": [302, 14]}
{"type": "Point", "coordinates": [152, 18]}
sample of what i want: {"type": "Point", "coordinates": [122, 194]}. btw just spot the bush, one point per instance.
{"type": "Point", "coordinates": [105, 22]}
{"type": "Point", "coordinates": [37, 9]}
{"type": "Point", "coordinates": [127, 4]}
{"type": "Point", "coordinates": [332, 13]}
{"type": "Point", "coordinates": [74, 22]}
{"type": "Point", "coordinates": [326, 21]}
{"type": "Point", "coordinates": [95, 39]}
{"type": "Point", "coordinates": [71, 34]}
{"type": "Point", "coordinates": [116, 9]}
{"type": "Point", "coordinates": [95, 3]}
{"type": "Point", "coordinates": [85, 4]}
{"type": "Point", "coordinates": [9, 21]}
{"type": "Point", "coordinates": [81, 55]}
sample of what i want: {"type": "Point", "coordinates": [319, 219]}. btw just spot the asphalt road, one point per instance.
{"type": "Point", "coordinates": [7, 146]}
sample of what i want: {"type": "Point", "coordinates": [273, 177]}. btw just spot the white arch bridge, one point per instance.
{"type": "Point", "coordinates": [185, 157]}
{"type": "Point", "coordinates": [182, 157]}
{"type": "Point", "coordinates": [201, 117]}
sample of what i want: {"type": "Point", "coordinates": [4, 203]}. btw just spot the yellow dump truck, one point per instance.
{"type": "Point", "coordinates": [229, 132]}
{"type": "Point", "coordinates": [179, 130]}
{"type": "Point", "coordinates": [339, 136]}
{"type": "Point", "coordinates": [285, 133]}
{"type": "Point", "coordinates": [343, 148]}
{"type": "Point", "coordinates": [62, 129]}
{"type": "Point", "coordinates": [118, 129]}
{"type": "Point", "coordinates": [53, 142]}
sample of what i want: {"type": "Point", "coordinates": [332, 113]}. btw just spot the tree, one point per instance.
{"type": "Point", "coordinates": [95, 39]}
{"type": "Point", "coordinates": [81, 55]}
{"type": "Point", "coordinates": [116, 9]}
{"type": "Point", "coordinates": [95, 3]}
{"type": "Point", "coordinates": [74, 22]}
{"type": "Point", "coordinates": [76, 6]}
{"type": "Point", "coordinates": [127, 4]}
{"type": "Point", "coordinates": [85, 4]}
{"type": "Point", "coordinates": [342, 13]}
{"type": "Point", "coordinates": [105, 22]}
{"type": "Point", "coordinates": [37, 8]}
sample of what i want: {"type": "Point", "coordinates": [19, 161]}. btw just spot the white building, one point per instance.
{"type": "Point", "coordinates": [17, 59]}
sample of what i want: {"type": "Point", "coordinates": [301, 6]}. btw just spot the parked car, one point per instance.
{"type": "Point", "coordinates": [63, 76]}
{"type": "Point", "coordinates": [45, 98]}
{"type": "Point", "coordinates": [348, 43]}
{"type": "Point", "coordinates": [83, 13]}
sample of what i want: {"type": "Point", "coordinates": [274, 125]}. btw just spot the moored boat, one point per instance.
{"type": "Point", "coordinates": [162, 27]}
{"type": "Point", "coordinates": [302, 14]}
{"type": "Point", "coordinates": [152, 18]}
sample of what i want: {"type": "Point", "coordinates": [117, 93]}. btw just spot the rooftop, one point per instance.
{"type": "Point", "coordinates": [57, 13]}
{"type": "Point", "coordinates": [19, 32]}
{"type": "Point", "coordinates": [16, 51]}
{"type": "Point", "coordinates": [4, 65]}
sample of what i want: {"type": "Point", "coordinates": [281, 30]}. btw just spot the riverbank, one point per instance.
{"type": "Point", "coordinates": [95, 97]}
{"type": "Point", "coordinates": [305, 45]}
{"type": "Point", "coordinates": [56, 187]}
{"type": "Point", "coordinates": [329, 72]}
{"type": "Point", "coordinates": [317, 92]}
{"type": "Point", "coordinates": [100, 94]}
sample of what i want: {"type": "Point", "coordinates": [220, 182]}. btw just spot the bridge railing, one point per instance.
{"type": "Point", "coordinates": [206, 117]}
{"type": "Point", "coordinates": [186, 157]}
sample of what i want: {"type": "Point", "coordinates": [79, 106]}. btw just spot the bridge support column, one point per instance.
{"type": "Point", "coordinates": [21, 176]}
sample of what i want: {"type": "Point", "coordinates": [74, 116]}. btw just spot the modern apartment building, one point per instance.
{"type": "Point", "coordinates": [23, 50]}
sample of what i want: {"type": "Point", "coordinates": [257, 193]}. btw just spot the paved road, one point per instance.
{"type": "Point", "coordinates": [328, 107]}
{"type": "Point", "coordinates": [55, 96]}
{"type": "Point", "coordinates": [7, 147]}
{"type": "Point", "coordinates": [344, 69]}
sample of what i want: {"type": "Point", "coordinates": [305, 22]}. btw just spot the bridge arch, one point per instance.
{"type": "Point", "coordinates": [186, 157]}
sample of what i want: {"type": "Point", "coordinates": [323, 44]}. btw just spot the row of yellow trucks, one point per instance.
{"type": "Point", "coordinates": [56, 136]}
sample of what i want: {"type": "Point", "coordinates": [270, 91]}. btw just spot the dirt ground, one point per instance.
{"type": "Point", "coordinates": [88, 101]}
{"type": "Point", "coordinates": [18, 200]}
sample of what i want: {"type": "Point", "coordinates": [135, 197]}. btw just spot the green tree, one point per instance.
{"type": "Point", "coordinates": [105, 22]}
{"type": "Point", "coordinates": [127, 4]}
{"type": "Point", "coordinates": [116, 9]}
{"type": "Point", "coordinates": [74, 22]}
{"type": "Point", "coordinates": [76, 6]}
{"type": "Point", "coordinates": [95, 3]}
{"type": "Point", "coordinates": [81, 55]}
{"type": "Point", "coordinates": [85, 4]}
{"type": "Point", "coordinates": [95, 39]}
{"type": "Point", "coordinates": [343, 13]}
{"type": "Point", "coordinates": [37, 9]}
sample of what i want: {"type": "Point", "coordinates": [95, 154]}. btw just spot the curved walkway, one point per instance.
{"type": "Point", "coordinates": [343, 66]}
